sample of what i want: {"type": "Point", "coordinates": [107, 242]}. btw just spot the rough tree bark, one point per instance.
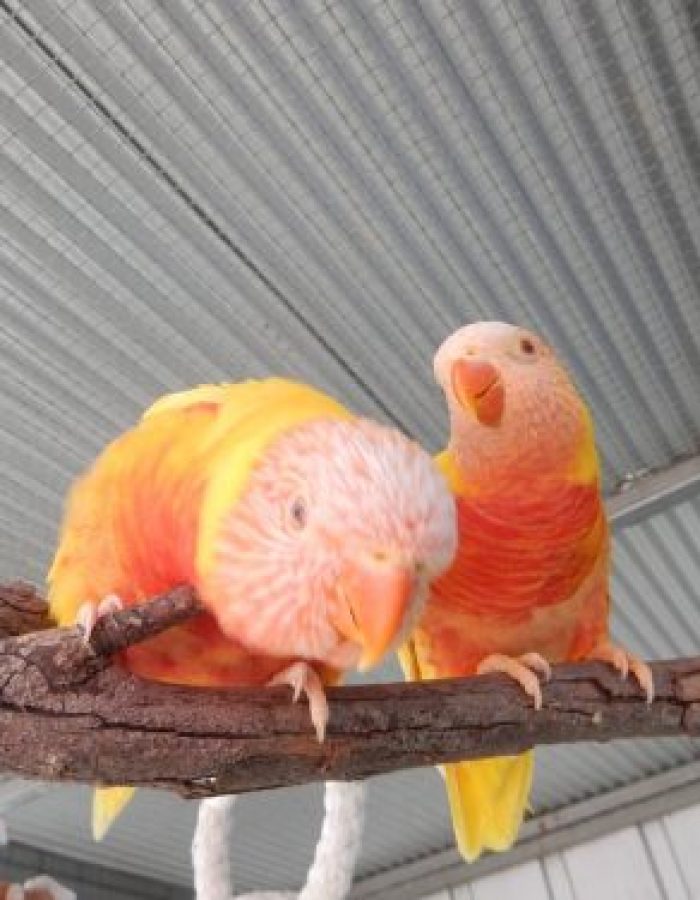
{"type": "Point", "coordinates": [67, 713]}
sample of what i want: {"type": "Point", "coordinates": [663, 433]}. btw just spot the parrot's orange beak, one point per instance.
{"type": "Point", "coordinates": [478, 387]}
{"type": "Point", "coordinates": [375, 597]}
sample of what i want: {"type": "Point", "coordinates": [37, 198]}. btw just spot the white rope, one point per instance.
{"type": "Point", "coordinates": [330, 876]}
{"type": "Point", "coordinates": [211, 849]}
{"type": "Point", "coordinates": [331, 873]}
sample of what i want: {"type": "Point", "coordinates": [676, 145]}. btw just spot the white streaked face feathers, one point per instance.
{"type": "Point", "coordinates": [327, 497]}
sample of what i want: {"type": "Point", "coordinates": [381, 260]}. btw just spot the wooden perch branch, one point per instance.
{"type": "Point", "coordinates": [66, 714]}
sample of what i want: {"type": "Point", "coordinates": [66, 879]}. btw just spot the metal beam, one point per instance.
{"type": "Point", "coordinates": [642, 801]}
{"type": "Point", "coordinates": [649, 494]}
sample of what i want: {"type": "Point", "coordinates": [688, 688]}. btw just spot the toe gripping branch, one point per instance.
{"type": "Point", "coordinates": [67, 656]}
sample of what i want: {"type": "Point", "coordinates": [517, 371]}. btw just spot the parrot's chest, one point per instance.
{"type": "Point", "coordinates": [523, 577]}
{"type": "Point", "coordinates": [515, 556]}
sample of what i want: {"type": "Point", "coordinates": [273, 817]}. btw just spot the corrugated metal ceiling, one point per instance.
{"type": "Point", "coordinates": [193, 191]}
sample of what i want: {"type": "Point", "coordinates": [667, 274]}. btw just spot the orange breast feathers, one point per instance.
{"type": "Point", "coordinates": [530, 571]}
{"type": "Point", "coordinates": [520, 553]}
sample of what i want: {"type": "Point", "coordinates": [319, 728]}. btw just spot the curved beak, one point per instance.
{"type": "Point", "coordinates": [375, 598]}
{"type": "Point", "coordinates": [478, 387]}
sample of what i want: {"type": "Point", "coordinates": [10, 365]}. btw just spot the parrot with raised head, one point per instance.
{"type": "Point", "coordinates": [309, 534]}
{"type": "Point", "coordinates": [530, 581]}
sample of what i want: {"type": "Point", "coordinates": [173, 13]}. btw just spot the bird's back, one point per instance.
{"type": "Point", "coordinates": [133, 523]}
{"type": "Point", "coordinates": [129, 526]}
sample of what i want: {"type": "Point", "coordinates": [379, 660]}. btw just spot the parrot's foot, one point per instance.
{"type": "Point", "coordinates": [625, 662]}
{"type": "Point", "coordinates": [523, 669]}
{"type": "Point", "coordinates": [300, 676]}
{"type": "Point", "coordinates": [89, 613]}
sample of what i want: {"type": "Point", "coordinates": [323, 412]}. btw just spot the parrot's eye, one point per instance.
{"type": "Point", "coordinates": [527, 346]}
{"type": "Point", "coordinates": [298, 513]}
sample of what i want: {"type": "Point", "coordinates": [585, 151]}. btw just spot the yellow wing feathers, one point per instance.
{"type": "Point", "coordinates": [487, 797]}
{"type": "Point", "coordinates": [107, 804]}
{"type": "Point", "coordinates": [487, 800]}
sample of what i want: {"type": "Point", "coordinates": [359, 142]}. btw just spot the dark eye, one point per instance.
{"type": "Point", "coordinates": [297, 513]}
{"type": "Point", "coordinates": [527, 346]}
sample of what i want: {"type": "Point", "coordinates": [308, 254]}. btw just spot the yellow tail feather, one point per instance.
{"type": "Point", "coordinates": [488, 798]}
{"type": "Point", "coordinates": [107, 803]}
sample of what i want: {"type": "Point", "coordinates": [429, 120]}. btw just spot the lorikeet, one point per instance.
{"type": "Point", "coordinates": [529, 585]}
{"type": "Point", "coordinates": [309, 534]}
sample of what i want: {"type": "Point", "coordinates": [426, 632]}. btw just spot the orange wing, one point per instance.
{"type": "Point", "coordinates": [130, 523]}
{"type": "Point", "coordinates": [131, 528]}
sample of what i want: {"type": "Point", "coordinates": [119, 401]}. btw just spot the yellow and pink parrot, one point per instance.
{"type": "Point", "coordinates": [310, 535]}
{"type": "Point", "coordinates": [529, 585]}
